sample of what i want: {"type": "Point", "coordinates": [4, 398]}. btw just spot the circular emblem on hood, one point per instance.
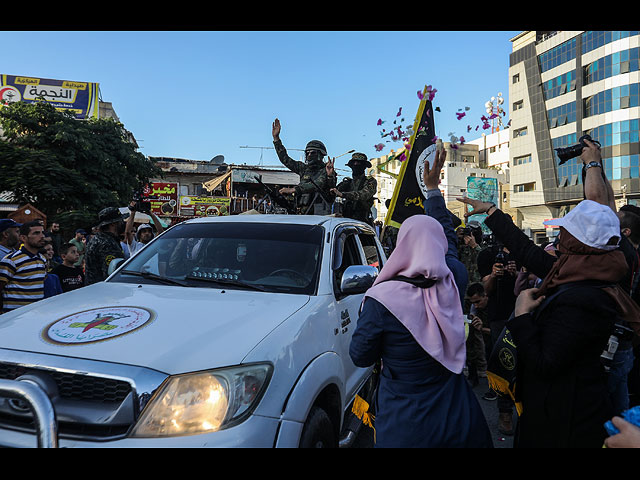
{"type": "Point", "coordinates": [96, 325]}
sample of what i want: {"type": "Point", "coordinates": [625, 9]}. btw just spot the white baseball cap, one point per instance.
{"type": "Point", "coordinates": [591, 223]}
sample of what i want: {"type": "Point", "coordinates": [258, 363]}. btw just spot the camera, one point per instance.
{"type": "Point", "coordinates": [141, 205]}
{"type": "Point", "coordinates": [567, 153]}
{"type": "Point", "coordinates": [501, 257]}
{"type": "Point", "coordinates": [620, 334]}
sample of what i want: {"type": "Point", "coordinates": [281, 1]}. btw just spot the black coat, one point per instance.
{"type": "Point", "coordinates": [560, 380]}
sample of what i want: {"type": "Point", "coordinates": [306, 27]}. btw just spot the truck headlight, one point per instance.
{"type": "Point", "coordinates": [203, 402]}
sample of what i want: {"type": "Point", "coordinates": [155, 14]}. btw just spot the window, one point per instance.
{"type": "Point", "coordinates": [524, 187]}
{"type": "Point", "coordinates": [620, 62]}
{"type": "Point", "coordinates": [562, 115]}
{"type": "Point", "coordinates": [592, 40]}
{"type": "Point", "coordinates": [558, 55]}
{"type": "Point", "coordinates": [350, 256]}
{"type": "Point", "coordinates": [518, 105]}
{"type": "Point", "coordinates": [559, 85]}
{"type": "Point", "coordinates": [516, 78]}
{"type": "Point", "coordinates": [370, 250]}
{"type": "Point", "coordinates": [522, 160]}
{"type": "Point", "coordinates": [520, 132]}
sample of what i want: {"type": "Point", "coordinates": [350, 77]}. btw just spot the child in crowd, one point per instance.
{"type": "Point", "coordinates": [71, 277]}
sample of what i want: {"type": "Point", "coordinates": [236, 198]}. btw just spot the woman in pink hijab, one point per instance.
{"type": "Point", "coordinates": [412, 319]}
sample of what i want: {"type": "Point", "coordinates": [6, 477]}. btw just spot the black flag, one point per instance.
{"type": "Point", "coordinates": [408, 194]}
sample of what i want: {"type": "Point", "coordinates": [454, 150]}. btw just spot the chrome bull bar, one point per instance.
{"type": "Point", "coordinates": [43, 412]}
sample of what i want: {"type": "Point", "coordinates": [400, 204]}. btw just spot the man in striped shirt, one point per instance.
{"type": "Point", "coordinates": [22, 272]}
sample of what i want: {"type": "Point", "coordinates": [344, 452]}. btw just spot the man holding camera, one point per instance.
{"type": "Point", "coordinates": [144, 234]}
{"type": "Point", "coordinates": [498, 272]}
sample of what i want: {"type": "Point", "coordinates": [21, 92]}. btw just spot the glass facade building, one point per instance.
{"type": "Point", "coordinates": [576, 83]}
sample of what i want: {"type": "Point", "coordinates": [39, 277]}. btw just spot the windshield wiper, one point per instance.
{"type": "Point", "coordinates": [153, 276]}
{"type": "Point", "coordinates": [227, 281]}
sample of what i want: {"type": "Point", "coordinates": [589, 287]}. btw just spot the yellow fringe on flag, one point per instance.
{"type": "Point", "coordinates": [501, 386]}
{"type": "Point", "coordinates": [361, 410]}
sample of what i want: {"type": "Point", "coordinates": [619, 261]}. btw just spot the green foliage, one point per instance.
{"type": "Point", "coordinates": [69, 169]}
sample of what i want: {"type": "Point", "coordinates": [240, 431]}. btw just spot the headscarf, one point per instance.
{"type": "Point", "coordinates": [432, 315]}
{"type": "Point", "coordinates": [579, 262]}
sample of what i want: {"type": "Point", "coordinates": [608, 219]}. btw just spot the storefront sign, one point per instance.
{"type": "Point", "coordinates": [81, 98]}
{"type": "Point", "coordinates": [163, 198]}
{"type": "Point", "coordinates": [204, 206]}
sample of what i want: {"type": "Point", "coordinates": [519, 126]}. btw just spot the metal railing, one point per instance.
{"type": "Point", "coordinates": [43, 413]}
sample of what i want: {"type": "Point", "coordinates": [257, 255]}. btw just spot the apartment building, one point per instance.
{"type": "Point", "coordinates": [562, 85]}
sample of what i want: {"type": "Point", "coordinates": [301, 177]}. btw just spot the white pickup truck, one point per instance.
{"type": "Point", "coordinates": [223, 331]}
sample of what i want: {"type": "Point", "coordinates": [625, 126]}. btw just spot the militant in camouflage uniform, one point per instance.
{"type": "Point", "coordinates": [312, 193]}
{"type": "Point", "coordinates": [105, 245]}
{"type": "Point", "coordinates": [357, 192]}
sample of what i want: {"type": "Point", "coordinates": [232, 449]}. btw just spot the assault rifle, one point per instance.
{"type": "Point", "coordinates": [277, 197]}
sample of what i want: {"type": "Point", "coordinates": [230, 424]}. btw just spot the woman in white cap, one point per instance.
{"type": "Point", "coordinates": [561, 381]}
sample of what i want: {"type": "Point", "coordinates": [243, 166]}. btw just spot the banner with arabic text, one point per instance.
{"type": "Point", "coordinates": [81, 98]}
{"type": "Point", "coordinates": [163, 198]}
{"type": "Point", "coordinates": [204, 206]}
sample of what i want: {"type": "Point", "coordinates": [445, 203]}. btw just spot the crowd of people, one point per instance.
{"type": "Point", "coordinates": [553, 327]}
{"type": "Point", "coordinates": [36, 263]}
{"type": "Point", "coordinates": [543, 323]}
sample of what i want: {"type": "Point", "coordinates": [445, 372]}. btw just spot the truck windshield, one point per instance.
{"type": "Point", "coordinates": [253, 256]}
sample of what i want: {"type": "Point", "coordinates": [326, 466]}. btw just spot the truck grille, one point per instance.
{"type": "Point", "coordinates": [93, 400]}
{"type": "Point", "coordinates": [78, 387]}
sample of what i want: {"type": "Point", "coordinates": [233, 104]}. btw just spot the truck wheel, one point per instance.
{"type": "Point", "coordinates": [318, 430]}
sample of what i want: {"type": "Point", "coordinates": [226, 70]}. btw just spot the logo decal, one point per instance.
{"type": "Point", "coordinates": [96, 325]}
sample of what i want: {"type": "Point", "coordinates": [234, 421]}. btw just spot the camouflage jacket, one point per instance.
{"type": "Point", "coordinates": [306, 190]}
{"type": "Point", "coordinates": [469, 257]}
{"type": "Point", "coordinates": [358, 196]}
{"type": "Point", "coordinates": [103, 247]}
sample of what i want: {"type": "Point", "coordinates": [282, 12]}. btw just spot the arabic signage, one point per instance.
{"type": "Point", "coordinates": [81, 98]}
{"type": "Point", "coordinates": [410, 191]}
{"type": "Point", "coordinates": [204, 206]}
{"type": "Point", "coordinates": [163, 198]}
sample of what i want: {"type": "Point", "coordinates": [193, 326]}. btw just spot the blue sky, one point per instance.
{"type": "Point", "coordinates": [198, 94]}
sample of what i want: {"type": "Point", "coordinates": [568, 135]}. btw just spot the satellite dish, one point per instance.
{"type": "Point", "coordinates": [218, 159]}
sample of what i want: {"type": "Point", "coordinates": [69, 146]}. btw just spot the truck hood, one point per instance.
{"type": "Point", "coordinates": [169, 329]}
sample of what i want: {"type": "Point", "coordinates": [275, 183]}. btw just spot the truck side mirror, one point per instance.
{"type": "Point", "coordinates": [358, 279]}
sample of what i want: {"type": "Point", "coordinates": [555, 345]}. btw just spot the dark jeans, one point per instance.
{"type": "Point", "coordinates": [617, 380]}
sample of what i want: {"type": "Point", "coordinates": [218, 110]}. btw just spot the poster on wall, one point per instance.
{"type": "Point", "coordinates": [81, 98]}
{"type": "Point", "coordinates": [163, 198]}
{"type": "Point", "coordinates": [204, 206]}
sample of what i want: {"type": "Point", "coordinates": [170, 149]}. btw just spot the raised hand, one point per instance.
{"type": "Point", "coordinates": [275, 129]}
{"type": "Point", "coordinates": [431, 176]}
{"type": "Point", "coordinates": [330, 167]}
{"type": "Point", "coordinates": [478, 205]}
